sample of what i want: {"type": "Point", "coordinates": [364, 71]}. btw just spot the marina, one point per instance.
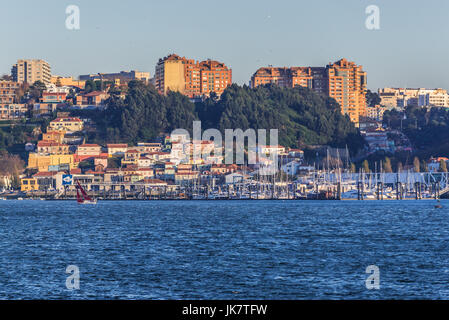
{"type": "Point", "coordinates": [318, 185]}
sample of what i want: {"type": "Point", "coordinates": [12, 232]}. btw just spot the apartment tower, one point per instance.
{"type": "Point", "coordinates": [343, 80]}
{"type": "Point", "coordinates": [190, 77]}
{"type": "Point", "coordinates": [30, 71]}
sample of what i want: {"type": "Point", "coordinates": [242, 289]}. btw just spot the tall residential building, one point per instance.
{"type": "Point", "coordinates": [190, 77]}
{"type": "Point", "coordinates": [30, 71]}
{"type": "Point", "coordinates": [343, 80]}
{"type": "Point", "coordinates": [347, 85]}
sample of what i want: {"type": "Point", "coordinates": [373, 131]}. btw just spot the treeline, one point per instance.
{"type": "Point", "coordinates": [143, 115]}
{"type": "Point", "coordinates": [301, 116]}
{"type": "Point", "coordinates": [427, 129]}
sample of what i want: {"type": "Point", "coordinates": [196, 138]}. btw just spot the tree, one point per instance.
{"type": "Point", "coordinates": [443, 166]}
{"type": "Point", "coordinates": [299, 114]}
{"type": "Point", "coordinates": [372, 98]}
{"type": "Point", "coordinates": [416, 164]}
{"type": "Point", "coordinates": [387, 165]}
{"type": "Point", "coordinates": [11, 166]}
{"type": "Point", "coordinates": [365, 166]}
{"type": "Point", "coordinates": [90, 86]}
{"type": "Point", "coordinates": [36, 89]}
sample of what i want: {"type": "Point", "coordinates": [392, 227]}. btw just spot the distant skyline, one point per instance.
{"type": "Point", "coordinates": [411, 49]}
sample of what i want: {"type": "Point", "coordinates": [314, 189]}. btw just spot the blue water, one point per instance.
{"type": "Point", "coordinates": [224, 249]}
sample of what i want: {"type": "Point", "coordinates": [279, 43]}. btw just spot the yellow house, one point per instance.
{"type": "Point", "coordinates": [28, 184]}
{"type": "Point", "coordinates": [42, 162]}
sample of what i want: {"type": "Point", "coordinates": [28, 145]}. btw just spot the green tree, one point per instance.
{"type": "Point", "coordinates": [36, 89]}
{"type": "Point", "coordinates": [372, 98]}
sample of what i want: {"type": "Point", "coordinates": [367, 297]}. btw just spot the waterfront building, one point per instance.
{"type": "Point", "coordinates": [343, 80]}
{"type": "Point", "coordinates": [31, 70]}
{"type": "Point", "coordinates": [42, 162]}
{"type": "Point", "coordinates": [28, 184]}
{"type": "Point", "coordinates": [190, 77]}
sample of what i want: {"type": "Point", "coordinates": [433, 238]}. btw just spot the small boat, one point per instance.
{"type": "Point", "coordinates": [438, 206]}
{"type": "Point", "coordinates": [84, 197]}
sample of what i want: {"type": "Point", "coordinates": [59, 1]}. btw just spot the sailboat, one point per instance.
{"type": "Point", "coordinates": [83, 198]}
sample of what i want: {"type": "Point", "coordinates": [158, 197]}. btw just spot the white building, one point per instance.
{"type": "Point", "coordinates": [403, 97]}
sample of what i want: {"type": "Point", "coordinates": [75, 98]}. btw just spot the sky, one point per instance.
{"type": "Point", "coordinates": [411, 48]}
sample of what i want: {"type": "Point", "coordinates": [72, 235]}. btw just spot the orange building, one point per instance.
{"type": "Point", "coordinates": [347, 85]}
{"type": "Point", "coordinates": [190, 77]}
{"type": "Point", "coordinates": [343, 80]}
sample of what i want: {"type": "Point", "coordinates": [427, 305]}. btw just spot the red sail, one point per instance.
{"type": "Point", "coordinates": [85, 196]}
{"type": "Point", "coordinates": [78, 198]}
